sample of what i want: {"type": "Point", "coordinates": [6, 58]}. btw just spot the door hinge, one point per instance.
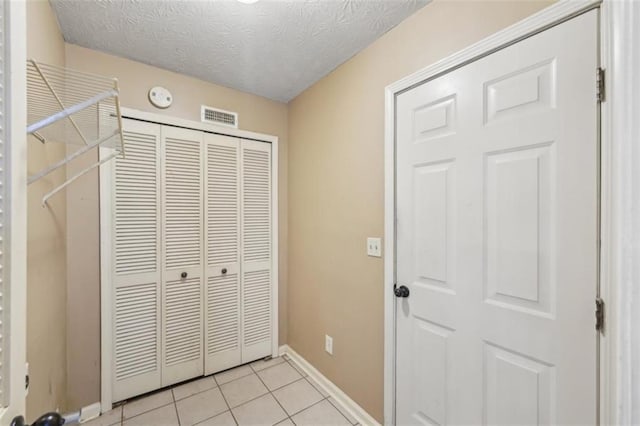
{"type": "Point", "coordinates": [599, 314]}
{"type": "Point", "coordinates": [600, 84]}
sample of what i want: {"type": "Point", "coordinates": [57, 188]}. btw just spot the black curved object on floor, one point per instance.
{"type": "Point", "coordinates": [18, 421]}
{"type": "Point", "coordinates": [49, 419]}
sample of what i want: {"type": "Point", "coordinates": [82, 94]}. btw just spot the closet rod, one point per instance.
{"type": "Point", "coordinates": [80, 174]}
{"type": "Point", "coordinates": [71, 110]}
{"type": "Point", "coordinates": [69, 158]}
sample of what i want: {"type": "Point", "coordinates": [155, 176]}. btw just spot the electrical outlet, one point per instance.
{"type": "Point", "coordinates": [328, 344]}
{"type": "Point", "coordinates": [374, 247]}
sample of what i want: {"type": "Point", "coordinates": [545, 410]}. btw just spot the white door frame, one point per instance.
{"type": "Point", "coordinates": [619, 28]}
{"type": "Point", "coordinates": [620, 183]}
{"type": "Point", "coordinates": [16, 214]}
{"type": "Point", "coordinates": [106, 237]}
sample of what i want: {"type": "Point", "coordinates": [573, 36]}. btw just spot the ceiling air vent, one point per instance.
{"type": "Point", "coordinates": [218, 116]}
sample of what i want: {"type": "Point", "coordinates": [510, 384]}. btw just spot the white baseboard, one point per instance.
{"type": "Point", "coordinates": [283, 349]}
{"type": "Point", "coordinates": [328, 386]}
{"type": "Point", "coordinates": [90, 412]}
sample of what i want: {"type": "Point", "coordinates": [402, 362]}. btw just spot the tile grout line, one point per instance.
{"type": "Point", "coordinates": [268, 391]}
{"type": "Point", "coordinates": [266, 368]}
{"type": "Point", "coordinates": [147, 411]}
{"type": "Point", "coordinates": [306, 408]}
{"type": "Point", "coordinates": [249, 400]}
{"type": "Point", "coordinates": [305, 378]}
{"type": "Point", "coordinates": [325, 398]}
{"type": "Point", "coordinates": [313, 385]}
{"type": "Point", "coordinates": [196, 393]}
{"type": "Point", "coordinates": [284, 386]}
{"type": "Point", "coordinates": [329, 398]}
{"type": "Point", "coordinates": [175, 407]}
{"type": "Point", "coordinates": [237, 378]}
{"type": "Point", "coordinates": [169, 389]}
{"type": "Point", "coordinates": [252, 370]}
{"type": "Point", "coordinates": [174, 401]}
{"type": "Point", "coordinates": [297, 368]}
{"type": "Point", "coordinates": [224, 398]}
{"type": "Point", "coordinates": [272, 395]}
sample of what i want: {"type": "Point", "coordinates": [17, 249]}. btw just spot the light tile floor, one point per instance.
{"type": "Point", "coordinates": [273, 392]}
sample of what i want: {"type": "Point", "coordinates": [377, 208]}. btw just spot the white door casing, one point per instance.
{"type": "Point", "coordinates": [182, 254]}
{"type": "Point", "coordinates": [5, 301]}
{"type": "Point", "coordinates": [620, 278]}
{"type": "Point", "coordinates": [13, 218]}
{"type": "Point", "coordinates": [136, 266]}
{"type": "Point", "coordinates": [496, 236]}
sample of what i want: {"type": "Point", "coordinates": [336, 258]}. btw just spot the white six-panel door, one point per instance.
{"type": "Point", "coordinates": [497, 168]}
{"type": "Point", "coordinates": [136, 291]}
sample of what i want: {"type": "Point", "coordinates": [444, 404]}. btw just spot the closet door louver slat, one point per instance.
{"type": "Point", "coordinates": [257, 321]}
{"type": "Point", "coordinates": [183, 321]}
{"type": "Point", "coordinates": [136, 343]}
{"type": "Point", "coordinates": [182, 317]}
{"type": "Point", "coordinates": [136, 204]}
{"type": "Point", "coordinates": [222, 236]}
{"type": "Point", "coordinates": [257, 301]}
{"type": "Point", "coordinates": [136, 266]}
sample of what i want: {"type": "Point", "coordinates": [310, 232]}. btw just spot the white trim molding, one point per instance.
{"type": "Point", "coordinates": [355, 410]}
{"type": "Point", "coordinates": [15, 23]}
{"type": "Point", "coordinates": [89, 412]}
{"type": "Point", "coordinates": [620, 221]}
{"type": "Point", "coordinates": [547, 18]}
{"type": "Point", "coordinates": [106, 249]}
{"type": "Point", "coordinates": [106, 229]}
{"type": "Point", "coordinates": [196, 125]}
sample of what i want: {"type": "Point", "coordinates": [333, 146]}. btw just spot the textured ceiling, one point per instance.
{"type": "Point", "coordinates": [274, 48]}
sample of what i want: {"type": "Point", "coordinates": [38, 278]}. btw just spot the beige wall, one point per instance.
{"type": "Point", "coordinates": [46, 253]}
{"type": "Point", "coordinates": [256, 114]}
{"type": "Point", "coordinates": [336, 190]}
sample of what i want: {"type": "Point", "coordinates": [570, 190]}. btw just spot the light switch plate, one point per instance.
{"type": "Point", "coordinates": [328, 344]}
{"type": "Point", "coordinates": [374, 247]}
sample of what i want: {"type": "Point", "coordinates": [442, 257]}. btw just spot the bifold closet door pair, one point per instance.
{"type": "Point", "coordinates": [191, 251]}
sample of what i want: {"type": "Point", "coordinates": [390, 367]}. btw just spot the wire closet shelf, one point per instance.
{"type": "Point", "coordinates": [75, 108]}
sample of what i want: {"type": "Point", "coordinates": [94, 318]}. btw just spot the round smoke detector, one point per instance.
{"type": "Point", "coordinates": [160, 97]}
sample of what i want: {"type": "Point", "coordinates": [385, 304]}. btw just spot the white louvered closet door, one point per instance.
{"type": "Point", "coordinates": [182, 257]}
{"type": "Point", "coordinates": [257, 318]}
{"type": "Point", "coordinates": [222, 253]}
{"type": "Point", "coordinates": [136, 263]}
